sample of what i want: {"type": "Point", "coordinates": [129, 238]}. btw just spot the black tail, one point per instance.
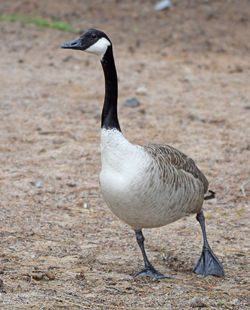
{"type": "Point", "coordinates": [209, 195]}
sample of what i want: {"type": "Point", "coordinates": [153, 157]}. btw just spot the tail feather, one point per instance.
{"type": "Point", "coordinates": [209, 195]}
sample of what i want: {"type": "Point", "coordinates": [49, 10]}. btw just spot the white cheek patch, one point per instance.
{"type": "Point", "coordinates": [99, 48]}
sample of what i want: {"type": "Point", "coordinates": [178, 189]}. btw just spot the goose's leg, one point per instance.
{"type": "Point", "coordinates": [149, 270]}
{"type": "Point", "coordinates": [208, 263]}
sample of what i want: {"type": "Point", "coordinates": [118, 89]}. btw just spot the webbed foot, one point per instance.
{"type": "Point", "coordinates": [208, 264]}
{"type": "Point", "coordinates": [150, 272]}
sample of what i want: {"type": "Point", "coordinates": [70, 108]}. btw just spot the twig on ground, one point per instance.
{"type": "Point", "coordinates": [60, 133]}
{"type": "Point", "coordinates": [243, 187]}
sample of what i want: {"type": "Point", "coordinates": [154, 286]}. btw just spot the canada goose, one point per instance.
{"type": "Point", "coordinates": [145, 186]}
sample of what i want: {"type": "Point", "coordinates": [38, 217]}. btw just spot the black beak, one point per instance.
{"type": "Point", "coordinates": [75, 44]}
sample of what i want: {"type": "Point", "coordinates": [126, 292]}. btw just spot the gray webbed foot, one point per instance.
{"type": "Point", "coordinates": [150, 272]}
{"type": "Point", "coordinates": [208, 263]}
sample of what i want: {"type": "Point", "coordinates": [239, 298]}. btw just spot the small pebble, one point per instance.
{"type": "Point", "coordinates": [85, 205]}
{"type": "Point", "coordinates": [69, 184]}
{"type": "Point", "coordinates": [37, 276]}
{"type": "Point", "coordinates": [141, 91]}
{"type": "Point", "coordinates": [197, 302]}
{"type": "Point", "coordinates": [164, 4]}
{"type": "Point", "coordinates": [37, 184]}
{"type": "Point", "coordinates": [132, 103]}
{"type": "Point", "coordinates": [80, 276]}
{"type": "Point", "coordinates": [50, 276]}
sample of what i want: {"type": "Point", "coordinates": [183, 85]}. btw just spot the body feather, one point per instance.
{"type": "Point", "coordinates": [148, 186]}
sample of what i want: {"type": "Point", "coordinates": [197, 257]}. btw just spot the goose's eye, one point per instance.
{"type": "Point", "coordinates": [93, 35]}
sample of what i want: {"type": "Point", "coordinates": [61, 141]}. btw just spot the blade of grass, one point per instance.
{"type": "Point", "coordinates": [39, 22]}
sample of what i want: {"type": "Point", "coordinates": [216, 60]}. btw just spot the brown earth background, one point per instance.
{"type": "Point", "coordinates": [61, 247]}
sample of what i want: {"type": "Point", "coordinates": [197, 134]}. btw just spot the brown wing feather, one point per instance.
{"type": "Point", "coordinates": [166, 154]}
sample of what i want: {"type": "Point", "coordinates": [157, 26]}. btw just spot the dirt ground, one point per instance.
{"type": "Point", "coordinates": [61, 247]}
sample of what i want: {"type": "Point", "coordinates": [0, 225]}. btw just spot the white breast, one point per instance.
{"type": "Point", "coordinates": [132, 190]}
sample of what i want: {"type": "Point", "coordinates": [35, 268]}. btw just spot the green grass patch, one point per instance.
{"type": "Point", "coordinates": [221, 302]}
{"type": "Point", "coordinates": [241, 212]}
{"type": "Point", "coordinates": [39, 22]}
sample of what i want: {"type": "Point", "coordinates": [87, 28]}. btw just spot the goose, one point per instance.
{"type": "Point", "coordinates": [145, 186]}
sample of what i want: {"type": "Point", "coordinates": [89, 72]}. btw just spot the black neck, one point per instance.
{"type": "Point", "coordinates": [109, 111]}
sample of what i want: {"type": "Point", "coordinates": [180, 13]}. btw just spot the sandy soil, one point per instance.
{"type": "Point", "coordinates": [61, 247]}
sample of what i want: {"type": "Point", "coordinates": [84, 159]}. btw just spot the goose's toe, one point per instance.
{"type": "Point", "coordinates": [150, 272]}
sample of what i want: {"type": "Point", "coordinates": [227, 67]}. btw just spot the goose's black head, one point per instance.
{"type": "Point", "coordinates": [91, 41]}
